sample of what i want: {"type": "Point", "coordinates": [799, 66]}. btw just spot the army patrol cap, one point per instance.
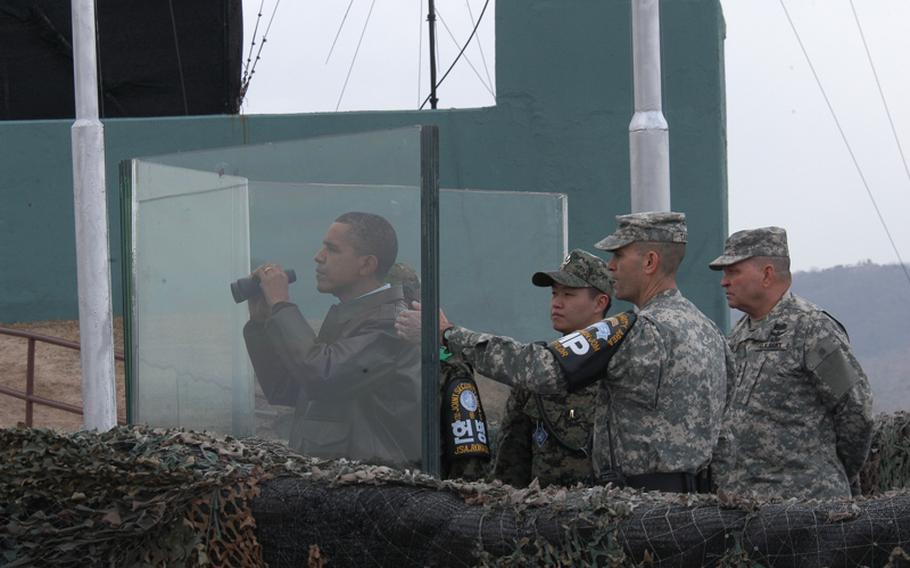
{"type": "Point", "coordinates": [404, 275]}
{"type": "Point", "coordinates": [653, 226]}
{"type": "Point", "coordinates": [580, 269]}
{"type": "Point", "coordinates": [741, 245]}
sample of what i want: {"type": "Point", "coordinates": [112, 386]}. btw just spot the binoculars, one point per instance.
{"type": "Point", "coordinates": [245, 288]}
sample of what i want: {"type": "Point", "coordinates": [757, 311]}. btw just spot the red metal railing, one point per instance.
{"type": "Point", "coordinates": [29, 395]}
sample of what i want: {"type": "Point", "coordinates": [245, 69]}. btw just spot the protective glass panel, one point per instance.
{"type": "Point", "coordinates": [323, 367]}
{"type": "Point", "coordinates": [491, 242]}
{"type": "Point", "coordinates": [191, 236]}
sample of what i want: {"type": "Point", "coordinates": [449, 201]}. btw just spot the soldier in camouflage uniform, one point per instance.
{"type": "Point", "coordinates": [663, 396]}
{"type": "Point", "coordinates": [547, 437]}
{"type": "Point", "coordinates": [799, 421]}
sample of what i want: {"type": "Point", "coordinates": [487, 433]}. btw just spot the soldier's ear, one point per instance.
{"type": "Point", "coordinates": [650, 262]}
{"type": "Point", "coordinates": [768, 275]}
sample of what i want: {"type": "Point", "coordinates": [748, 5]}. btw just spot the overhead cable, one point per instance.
{"type": "Point", "coordinates": [186, 108]}
{"type": "Point", "coordinates": [881, 92]}
{"type": "Point", "coordinates": [466, 58]}
{"type": "Point", "coordinates": [356, 51]}
{"type": "Point", "coordinates": [466, 44]}
{"type": "Point", "coordinates": [338, 33]}
{"type": "Point", "coordinates": [843, 136]}
{"type": "Point", "coordinates": [248, 77]}
{"type": "Point", "coordinates": [419, 50]}
{"type": "Point", "coordinates": [483, 58]}
{"type": "Point", "coordinates": [249, 56]}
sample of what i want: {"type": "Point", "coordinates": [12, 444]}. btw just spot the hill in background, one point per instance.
{"type": "Point", "coordinates": [873, 303]}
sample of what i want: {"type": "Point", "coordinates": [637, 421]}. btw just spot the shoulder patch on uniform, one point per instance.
{"type": "Point", "coordinates": [831, 364]}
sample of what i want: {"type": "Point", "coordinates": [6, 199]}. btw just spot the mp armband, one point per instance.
{"type": "Point", "coordinates": [464, 423]}
{"type": "Point", "coordinates": [585, 354]}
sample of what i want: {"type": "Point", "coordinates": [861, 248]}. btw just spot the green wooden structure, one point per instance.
{"type": "Point", "coordinates": [560, 124]}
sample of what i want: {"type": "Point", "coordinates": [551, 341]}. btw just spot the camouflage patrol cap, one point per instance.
{"type": "Point", "coordinates": [580, 269]}
{"type": "Point", "coordinates": [741, 245]}
{"type": "Point", "coordinates": [404, 275]}
{"type": "Point", "coordinates": [652, 226]}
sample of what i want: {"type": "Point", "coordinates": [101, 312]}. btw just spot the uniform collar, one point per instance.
{"type": "Point", "coordinates": [769, 325]}
{"type": "Point", "coordinates": [661, 297]}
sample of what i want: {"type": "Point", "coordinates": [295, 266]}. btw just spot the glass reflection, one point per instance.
{"type": "Point", "coordinates": [354, 385]}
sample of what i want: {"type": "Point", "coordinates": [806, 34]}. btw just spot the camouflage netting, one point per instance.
{"type": "Point", "coordinates": [399, 524]}
{"type": "Point", "coordinates": [142, 497]}
{"type": "Point", "coordinates": [888, 464]}
{"type": "Point", "coordinates": [130, 497]}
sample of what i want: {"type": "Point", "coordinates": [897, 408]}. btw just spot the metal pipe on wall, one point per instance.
{"type": "Point", "coordinates": [649, 136]}
{"type": "Point", "coordinates": [99, 399]}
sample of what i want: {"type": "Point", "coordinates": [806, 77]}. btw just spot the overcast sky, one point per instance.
{"type": "Point", "coordinates": [788, 164]}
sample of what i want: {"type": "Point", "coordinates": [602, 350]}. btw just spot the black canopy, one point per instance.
{"type": "Point", "coordinates": [156, 58]}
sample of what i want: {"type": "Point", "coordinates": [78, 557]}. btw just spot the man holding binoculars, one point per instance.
{"type": "Point", "coordinates": [355, 385]}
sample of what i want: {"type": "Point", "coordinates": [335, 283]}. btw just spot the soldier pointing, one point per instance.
{"type": "Point", "coordinates": [661, 401]}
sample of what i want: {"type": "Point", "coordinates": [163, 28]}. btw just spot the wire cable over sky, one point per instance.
{"type": "Point", "coordinates": [338, 33]}
{"type": "Point", "coordinates": [249, 56]}
{"type": "Point", "coordinates": [483, 58]}
{"type": "Point", "coordinates": [881, 92]}
{"type": "Point", "coordinates": [419, 50]}
{"type": "Point", "coordinates": [466, 58]}
{"type": "Point", "coordinates": [466, 44]}
{"type": "Point", "coordinates": [843, 136]}
{"type": "Point", "coordinates": [354, 59]}
{"type": "Point", "coordinates": [250, 69]}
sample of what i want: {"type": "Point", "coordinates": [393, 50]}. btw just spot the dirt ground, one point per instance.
{"type": "Point", "coordinates": [58, 377]}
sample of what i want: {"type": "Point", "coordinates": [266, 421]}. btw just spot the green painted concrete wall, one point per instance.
{"type": "Point", "coordinates": [564, 101]}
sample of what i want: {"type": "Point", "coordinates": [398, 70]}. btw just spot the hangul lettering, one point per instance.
{"type": "Point", "coordinates": [481, 431]}
{"type": "Point", "coordinates": [462, 431]}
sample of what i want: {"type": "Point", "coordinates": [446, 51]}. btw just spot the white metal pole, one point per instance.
{"type": "Point", "coordinates": [649, 136]}
{"type": "Point", "coordinates": [99, 398]}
